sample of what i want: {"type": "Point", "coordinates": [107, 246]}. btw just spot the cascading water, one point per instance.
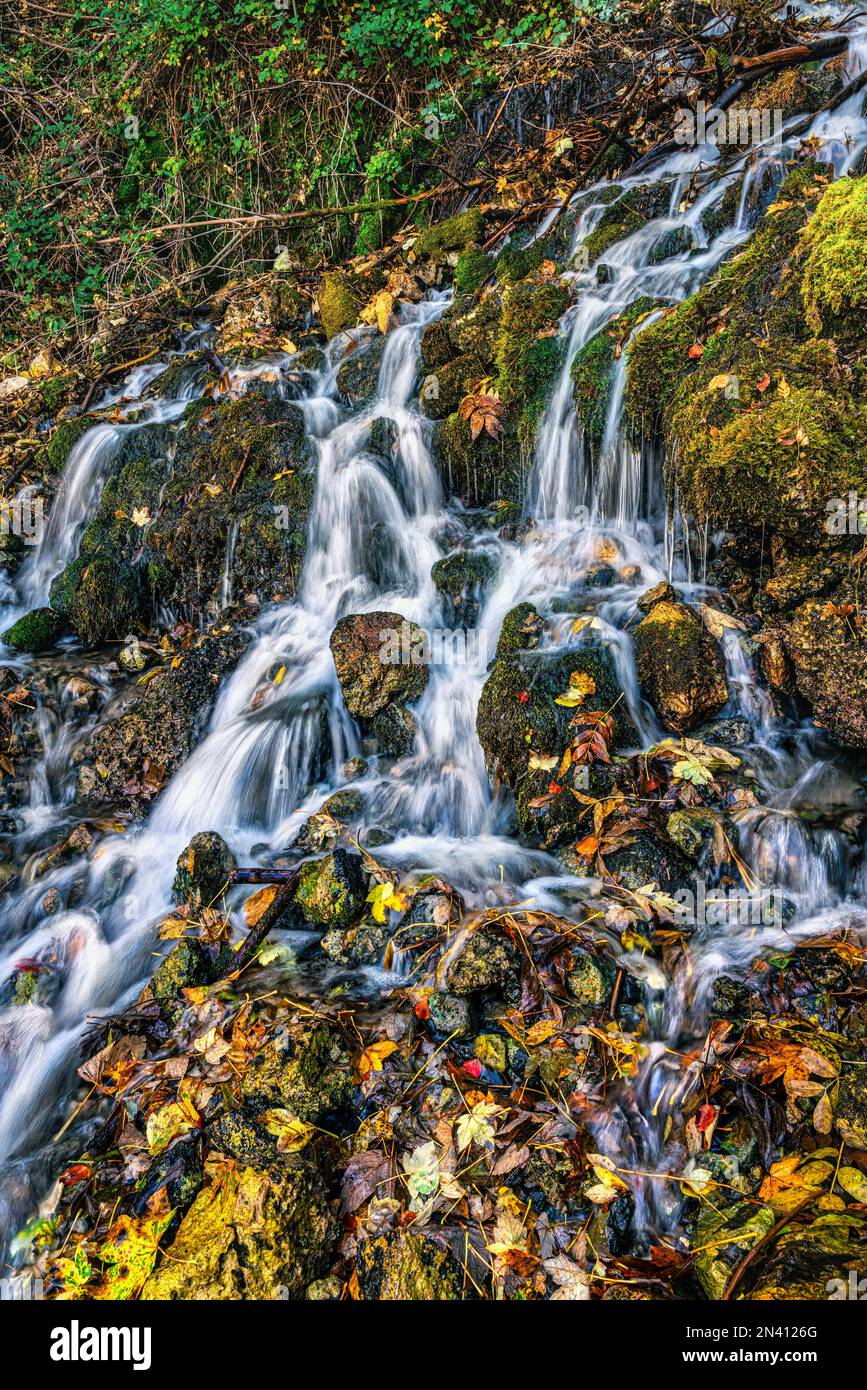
{"type": "Point", "coordinates": [274, 751]}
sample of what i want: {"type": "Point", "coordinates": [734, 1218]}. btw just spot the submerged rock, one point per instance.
{"type": "Point", "coordinates": [373, 656]}
{"type": "Point", "coordinates": [681, 668]}
{"type": "Point", "coordinates": [394, 730]}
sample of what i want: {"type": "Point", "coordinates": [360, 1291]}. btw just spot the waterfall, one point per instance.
{"type": "Point", "coordinates": [273, 751]}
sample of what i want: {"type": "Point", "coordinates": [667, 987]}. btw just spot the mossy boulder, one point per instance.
{"type": "Point", "coordinates": [828, 659]}
{"type": "Point", "coordinates": [593, 367]}
{"type": "Point", "coordinates": [203, 870]}
{"type": "Point", "coordinates": [37, 631]}
{"type": "Point", "coordinates": [479, 471]}
{"type": "Point", "coordinates": [101, 597]}
{"type": "Point", "coordinates": [834, 271]}
{"type": "Point", "coordinates": [311, 1077]}
{"type": "Point", "coordinates": [518, 712]}
{"type": "Point", "coordinates": [444, 388]}
{"type": "Point", "coordinates": [362, 944]}
{"type": "Point", "coordinates": [331, 891]}
{"type": "Point", "coordinates": [137, 751]}
{"type": "Point", "coordinates": [373, 658]}
{"type": "Point", "coordinates": [681, 669]}
{"type": "Point", "coordinates": [409, 1267]}
{"type": "Point", "coordinates": [473, 268]}
{"type": "Point", "coordinates": [486, 960]}
{"type": "Point", "coordinates": [53, 455]}
{"type": "Point", "coordinates": [357, 378]}
{"type": "Point", "coordinates": [249, 1235]}
{"type": "Point", "coordinates": [189, 965]}
{"type": "Point", "coordinates": [338, 304]}
{"type": "Point", "coordinates": [453, 234]}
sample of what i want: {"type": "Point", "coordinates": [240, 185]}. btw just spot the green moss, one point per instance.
{"type": "Point", "coordinates": [101, 597]}
{"type": "Point", "coordinates": [472, 270]}
{"type": "Point", "coordinates": [516, 263]}
{"type": "Point", "coordinates": [338, 309]}
{"type": "Point", "coordinates": [481, 471]}
{"type": "Point", "coordinates": [834, 275]}
{"type": "Point", "coordinates": [55, 453]}
{"type": "Point", "coordinates": [35, 632]}
{"type": "Point", "coordinates": [593, 367]}
{"type": "Point", "coordinates": [528, 309]}
{"type": "Point", "coordinates": [444, 389]}
{"type": "Point", "coordinates": [453, 234]}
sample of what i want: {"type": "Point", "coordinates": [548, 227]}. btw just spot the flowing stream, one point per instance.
{"type": "Point", "coordinates": [374, 534]}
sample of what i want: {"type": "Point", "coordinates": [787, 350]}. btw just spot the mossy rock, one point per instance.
{"type": "Point", "coordinates": [850, 1110]}
{"type": "Point", "coordinates": [443, 389]}
{"type": "Point", "coordinates": [436, 347]}
{"type": "Point", "coordinates": [724, 1234]}
{"type": "Point", "coordinates": [681, 668]}
{"type": "Point", "coordinates": [371, 675]}
{"type": "Point", "coordinates": [53, 455]}
{"type": "Point", "coordinates": [518, 712]}
{"type": "Point", "coordinates": [409, 1267]}
{"type": "Point", "coordinates": [474, 267]}
{"type": "Point", "coordinates": [394, 729]}
{"type": "Point", "coordinates": [593, 367]}
{"type": "Point", "coordinates": [37, 631]}
{"type": "Point", "coordinates": [162, 726]}
{"type": "Point", "coordinates": [203, 870]}
{"type": "Point", "coordinates": [454, 234]}
{"type": "Point", "coordinates": [362, 944]}
{"type": "Point", "coordinates": [101, 597]}
{"type": "Point", "coordinates": [331, 891]}
{"type": "Point", "coordinates": [591, 982]}
{"type": "Point", "coordinates": [480, 471]}
{"type": "Point", "coordinates": [460, 576]}
{"type": "Point", "coordinates": [834, 273]}
{"type": "Point", "coordinates": [487, 960]}
{"type": "Point", "coordinates": [311, 1077]}
{"type": "Point", "coordinates": [188, 966]}
{"type": "Point", "coordinates": [828, 659]}
{"type": "Point", "coordinates": [338, 305]}
{"type": "Point", "coordinates": [358, 377]}
{"type": "Point", "coordinates": [521, 630]}
{"type": "Point", "coordinates": [249, 1235]}
{"type": "Point", "coordinates": [814, 1262]}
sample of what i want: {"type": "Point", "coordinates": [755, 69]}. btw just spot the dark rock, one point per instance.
{"type": "Point", "coordinates": [487, 960]}
{"type": "Point", "coordinates": [203, 870]}
{"type": "Point", "coordinates": [402, 1265]}
{"type": "Point", "coordinates": [332, 890]}
{"type": "Point", "coordinates": [681, 668]}
{"type": "Point", "coordinates": [394, 730]}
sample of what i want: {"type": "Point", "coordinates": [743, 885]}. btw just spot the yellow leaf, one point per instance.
{"type": "Point", "coordinates": [784, 389]}
{"type": "Point", "coordinates": [373, 1057]}
{"type": "Point", "coordinates": [718, 383]}
{"type": "Point", "coordinates": [291, 1133]}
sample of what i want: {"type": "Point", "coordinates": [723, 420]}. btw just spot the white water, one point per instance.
{"type": "Point", "coordinates": [273, 752]}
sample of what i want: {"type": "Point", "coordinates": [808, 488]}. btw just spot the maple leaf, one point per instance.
{"type": "Point", "coordinates": [475, 1127]}
{"type": "Point", "coordinates": [373, 1057]}
{"type": "Point", "coordinates": [484, 410]}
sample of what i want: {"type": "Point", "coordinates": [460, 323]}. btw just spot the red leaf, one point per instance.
{"type": "Point", "coordinates": [696, 350]}
{"type": "Point", "coordinates": [554, 788]}
{"type": "Point", "coordinates": [77, 1172]}
{"type": "Point", "coordinates": [523, 696]}
{"type": "Point", "coordinates": [706, 1117]}
{"type": "Point", "coordinates": [422, 1009]}
{"type": "Point", "coordinates": [473, 1067]}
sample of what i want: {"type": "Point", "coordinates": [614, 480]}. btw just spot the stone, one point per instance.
{"type": "Point", "coordinates": [681, 669]}
{"type": "Point", "coordinates": [487, 960]}
{"type": "Point", "coordinates": [203, 870]}
{"type": "Point", "coordinates": [402, 1265]}
{"type": "Point", "coordinates": [250, 1235]}
{"type": "Point", "coordinates": [332, 891]}
{"type": "Point", "coordinates": [374, 659]}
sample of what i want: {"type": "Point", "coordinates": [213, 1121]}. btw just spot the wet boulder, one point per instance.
{"type": "Point", "coordinates": [681, 668]}
{"type": "Point", "coordinates": [379, 658]}
{"type": "Point", "coordinates": [828, 660]}
{"type": "Point", "coordinates": [407, 1266]}
{"type": "Point", "coordinates": [358, 377]}
{"type": "Point", "coordinates": [35, 632]}
{"type": "Point", "coordinates": [332, 891]}
{"type": "Point", "coordinates": [138, 750]}
{"type": "Point", "coordinates": [203, 870]}
{"type": "Point", "coordinates": [250, 1235]}
{"type": "Point", "coordinates": [460, 577]}
{"type": "Point", "coordinates": [102, 598]}
{"type": "Point", "coordinates": [362, 944]}
{"type": "Point", "coordinates": [312, 1078]}
{"type": "Point", "coordinates": [518, 711]}
{"type": "Point", "coordinates": [321, 830]}
{"type": "Point", "coordinates": [486, 959]}
{"type": "Point", "coordinates": [189, 966]}
{"type": "Point", "coordinates": [450, 1014]}
{"type": "Point", "coordinates": [449, 236]}
{"type": "Point", "coordinates": [394, 729]}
